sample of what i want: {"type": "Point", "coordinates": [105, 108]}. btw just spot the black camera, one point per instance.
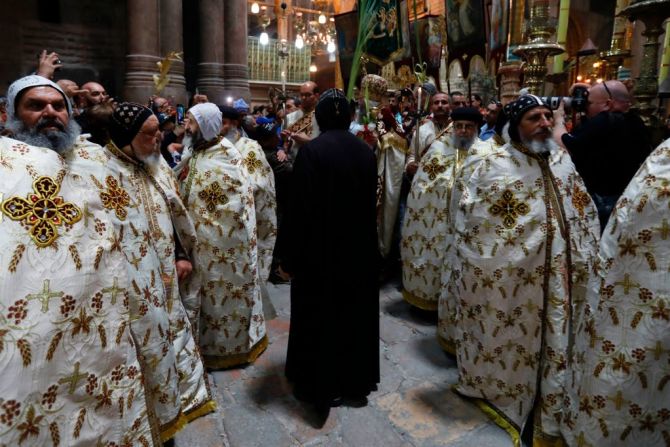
{"type": "Point", "coordinates": [575, 103]}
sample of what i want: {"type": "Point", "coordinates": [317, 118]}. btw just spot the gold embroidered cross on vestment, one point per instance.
{"type": "Point", "coordinates": [252, 162]}
{"type": "Point", "coordinates": [115, 198]}
{"type": "Point", "coordinates": [44, 296]}
{"type": "Point", "coordinates": [213, 195]}
{"type": "Point", "coordinates": [509, 208]}
{"type": "Point", "coordinates": [434, 168]}
{"type": "Point", "coordinates": [43, 211]}
{"type": "Point", "coordinates": [73, 379]}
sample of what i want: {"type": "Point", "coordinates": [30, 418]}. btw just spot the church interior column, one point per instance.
{"type": "Point", "coordinates": [142, 50]}
{"type": "Point", "coordinates": [210, 67]}
{"type": "Point", "coordinates": [235, 67]}
{"type": "Point", "coordinates": [172, 40]}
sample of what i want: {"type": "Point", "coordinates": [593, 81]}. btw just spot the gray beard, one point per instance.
{"type": "Point", "coordinates": [541, 147]}
{"type": "Point", "coordinates": [462, 142]}
{"type": "Point", "coordinates": [233, 135]}
{"type": "Point", "coordinates": [151, 160]}
{"type": "Point", "coordinates": [57, 140]}
{"type": "Point", "coordinates": [191, 140]}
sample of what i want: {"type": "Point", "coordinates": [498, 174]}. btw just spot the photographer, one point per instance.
{"type": "Point", "coordinates": [608, 146]}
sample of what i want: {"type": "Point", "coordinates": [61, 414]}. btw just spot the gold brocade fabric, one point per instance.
{"type": "Point", "coordinates": [297, 121]}
{"type": "Point", "coordinates": [446, 305]}
{"type": "Point", "coordinates": [68, 355]}
{"type": "Point", "coordinates": [620, 395]}
{"type": "Point", "coordinates": [143, 203]}
{"type": "Point", "coordinates": [424, 229]}
{"type": "Point", "coordinates": [257, 169]}
{"type": "Point", "coordinates": [391, 159]}
{"type": "Point", "coordinates": [520, 262]}
{"type": "Point", "coordinates": [220, 200]}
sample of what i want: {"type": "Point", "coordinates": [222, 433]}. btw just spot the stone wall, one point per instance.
{"type": "Point", "coordinates": [89, 37]}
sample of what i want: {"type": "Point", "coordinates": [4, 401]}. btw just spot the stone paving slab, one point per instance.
{"type": "Point", "coordinates": [414, 406]}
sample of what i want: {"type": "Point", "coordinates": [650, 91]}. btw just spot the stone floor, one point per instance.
{"type": "Point", "coordinates": [414, 406]}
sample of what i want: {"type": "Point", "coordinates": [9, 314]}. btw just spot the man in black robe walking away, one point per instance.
{"type": "Point", "coordinates": [329, 236]}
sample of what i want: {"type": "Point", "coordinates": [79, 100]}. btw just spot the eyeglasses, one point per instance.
{"type": "Point", "coordinates": [463, 126]}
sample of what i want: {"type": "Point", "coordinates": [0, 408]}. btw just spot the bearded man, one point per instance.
{"type": "Point", "coordinates": [71, 372]}
{"type": "Point", "coordinates": [425, 225]}
{"type": "Point", "coordinates": [300, 126]}
{"type": "Point", "coordinates": [257, 169]}
{"type": "Point", "coordinates": [469, 151]}
{"type": "Point", "coordinates": [525, 240]}
{"type": "Point", "coordinates": [220, 200]}
{"type": "Point", "coordinates": [619, 396]}
{"type": "Point", "coordinates": [138, 192]}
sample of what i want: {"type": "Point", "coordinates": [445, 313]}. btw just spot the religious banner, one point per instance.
{"type": "Point", "coordinates": [499, 20]}
{"type": "Point", "coordinates": [346, 27]}
{"type": "Point", "coordinates": [384, 41]}
{"type": "Point", "coordinates": [431, 36]}
{"type": "Point", "coordinates": [466, 30]}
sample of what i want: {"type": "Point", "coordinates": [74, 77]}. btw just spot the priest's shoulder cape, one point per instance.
{"type": "Point", "coordinates": [69, 362]}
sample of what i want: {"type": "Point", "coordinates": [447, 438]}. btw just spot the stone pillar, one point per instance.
{"type": "Point", "coordinates": [235, 68]}
{"type": "Point", "coordinates": [510, 81]}
{"type": "Point", "coordinates": [210, 68]}
{"type": "Point", "coordinates": [142, 50]}
{"type": "Point", "coordinates": [172, 39]}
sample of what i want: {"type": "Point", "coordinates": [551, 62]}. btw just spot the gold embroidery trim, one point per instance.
{"type": "Point", "coordinates": [43, 210]}
{"type": "Point", "coordinates": [421, 303]}
{"type": "Point", "coordinates": [447, 346]}
{"type": "Point", "coordinates": [221, 362]}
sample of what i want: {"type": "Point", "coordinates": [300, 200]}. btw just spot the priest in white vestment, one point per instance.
{"type": "Point", "coordinates": [392, 152]}
{"type": "Point", "coordinates": [469, 151]}
{"type": "Point", "coordinates": [157, 237]}
{"type": "Point", "coordinates": [620, 390]}
{"type": "Point", "coordinates": [69, 359]}
{"type": "Point", "coordinates": [525, 239]}
{"type": "Point", "coordinates": [220, 200]}
{"type": "Point", "coordinates": [257, 169]}
{"type": "Point", "coordinates": [424, 228]}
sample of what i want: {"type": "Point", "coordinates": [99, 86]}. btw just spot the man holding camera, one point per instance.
{"type": "Point", "coordinates": [608, 146]}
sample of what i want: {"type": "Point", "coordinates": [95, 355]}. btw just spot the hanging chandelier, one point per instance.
{"type": "Point", "coordinates": [316, 32]}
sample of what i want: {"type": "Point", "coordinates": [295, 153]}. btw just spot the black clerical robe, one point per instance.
{"type": "Point", "coordinates": [329, 236]}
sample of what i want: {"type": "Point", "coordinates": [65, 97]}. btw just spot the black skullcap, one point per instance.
{"type": "Point", "coordinates": [229, 112]}
{"type": "Point", "coordinates": [467, 114]}
{"type": "Point", "coordinates": [517, 109]}
{"type": "Point", "coordinates": [126, 122]}
{"type": "Point", "coordinates": [332, 110]}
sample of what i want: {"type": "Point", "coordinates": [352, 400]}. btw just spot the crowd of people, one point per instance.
{"type": "Point", "coordinates": [137, 241]}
